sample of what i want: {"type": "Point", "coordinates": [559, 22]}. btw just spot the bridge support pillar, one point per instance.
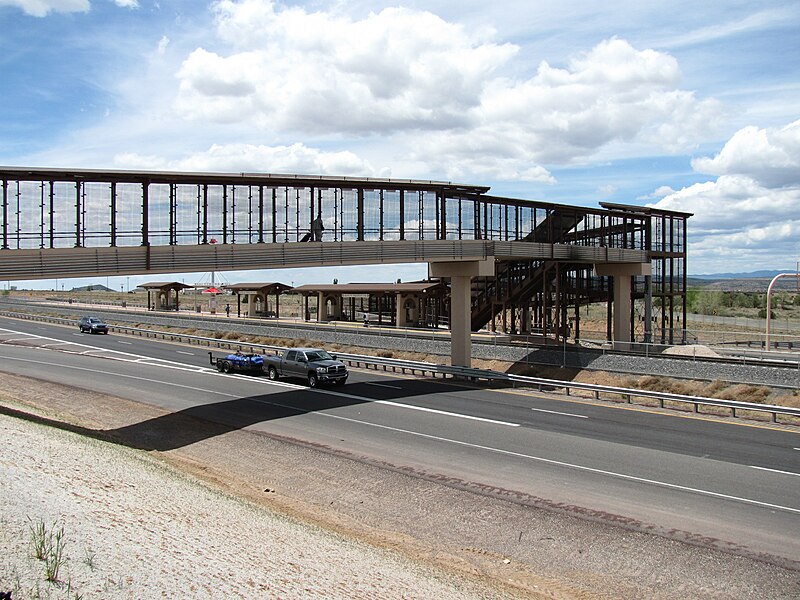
{"type": "Point", "coordinates": [622, 273]}
{"type": "Point", "coordinates": [460, 275]}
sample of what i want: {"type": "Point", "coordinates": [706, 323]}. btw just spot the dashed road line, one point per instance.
{"type": "Point", "coordinates": [775, 470]}
{"type": "Point", "coordinates": [555, 412]}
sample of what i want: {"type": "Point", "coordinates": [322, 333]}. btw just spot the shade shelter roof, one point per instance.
{"type": "Point", "coordinates": [414, 287]}
{"type": "Point", "coordinates": [160, 285]}
{"type": "Point", "coordinates": [267, 287]}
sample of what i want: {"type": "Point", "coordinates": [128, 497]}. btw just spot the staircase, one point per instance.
{"type": "Point", "coordinates": [516, 281]}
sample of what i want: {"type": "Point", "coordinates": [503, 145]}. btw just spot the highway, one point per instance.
{"type": "Point", "coordinates": [738, 483]}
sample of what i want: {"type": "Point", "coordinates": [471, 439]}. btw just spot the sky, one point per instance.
{"type": "Point", "coordinates": [689, 106]}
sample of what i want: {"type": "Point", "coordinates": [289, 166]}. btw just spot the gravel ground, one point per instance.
{"type": "Point", "coordinates": [254, 516]}
{"type": "Point", "coordinates": [136, 528]}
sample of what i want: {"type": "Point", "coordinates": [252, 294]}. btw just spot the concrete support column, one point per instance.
{"type": "Point", "coordinates": [621, 320]}
{"type": "Point", "coordinates": [460, 275]}
{"type": "Point", "coordinates": [648, 309]}
{"type": "Point", "coordinates": [460, 321]}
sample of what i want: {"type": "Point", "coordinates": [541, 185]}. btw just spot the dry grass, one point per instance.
{"type": "Point", "coordinates": [745, 393]}
{"type": "Point", "coordinates": [758, 394]}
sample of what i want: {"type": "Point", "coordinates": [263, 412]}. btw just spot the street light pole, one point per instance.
{"type": "Point", "coordinates": [769, 302]}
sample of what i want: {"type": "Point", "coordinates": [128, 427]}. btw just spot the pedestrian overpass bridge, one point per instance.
{"type": "Point", "coordinates": [525, 260]}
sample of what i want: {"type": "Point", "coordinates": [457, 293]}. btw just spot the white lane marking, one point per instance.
{"type": "Point", "coordinates": [394, 387]}
{"type": "Point", "coordinates": [673, 486]}
{"type": "Point", "coordinates": [555, 412]}
{"type": "Point", "coordinates": [420, 408]}
{"type": "Point", "coordinates": [795, 448]}
{"type": "Point", "coordinates": [112, 354]}
{"type": "Point", "coordinates": [775, 470]}
{"type": "Point", "coordinates": [147, 379]}
{"type": "Point", "coordinates": [441, 412]}
{"type": "Point", "coordinates": [128, 343]}
{"type": "Point", "coordinates": [161, 362]}
{"type": "Point", "coordinates": [428, 436]}
{"type": "Point", "coordinates": [187, 353]}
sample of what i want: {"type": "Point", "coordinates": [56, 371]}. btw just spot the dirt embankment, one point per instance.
{"type": "Point", "coordinates": [250, 515]}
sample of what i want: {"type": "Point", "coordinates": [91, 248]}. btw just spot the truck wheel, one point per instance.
{"type": "Point", "coordinates": [272, 373]}
{"type": "Point", "coordinates": [312, 380]}
{"type": "Point", "coordinates": [226, 367]}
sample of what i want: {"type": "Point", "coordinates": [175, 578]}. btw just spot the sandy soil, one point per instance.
{"type": "Point", "coordinates": [691, 350]}
{"type": "Point", "coordinates": [135, 527]}
{"type": "Point", "coordinates": [245, 515]}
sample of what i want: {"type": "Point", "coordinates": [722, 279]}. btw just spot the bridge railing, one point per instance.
{"type": "Point", "coordinates": [63, 209]}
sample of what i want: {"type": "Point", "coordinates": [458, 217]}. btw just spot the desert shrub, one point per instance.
{"type": "Point", "coordinates": [715, 387]}
{"type": "Point", "coordinates": [744, 392]}
{"type": "Point", "coordinates": [792, 400]}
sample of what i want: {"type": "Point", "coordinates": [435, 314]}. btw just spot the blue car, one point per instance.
{"type": "Point", "coordinates": [92, 325]}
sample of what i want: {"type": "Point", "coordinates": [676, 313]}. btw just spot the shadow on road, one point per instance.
{"type": "Point", "coordinates": [205, 421]}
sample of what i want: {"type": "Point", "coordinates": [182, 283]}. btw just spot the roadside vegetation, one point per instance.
{"type": "Point", "coordinates": [741, 304]}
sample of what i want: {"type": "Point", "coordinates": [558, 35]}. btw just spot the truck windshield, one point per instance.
{"type": "Point", "coordinates": [318, 355]}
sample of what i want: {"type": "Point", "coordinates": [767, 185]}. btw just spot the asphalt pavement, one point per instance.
{"type": "Point", "coordinates": [730, 481]}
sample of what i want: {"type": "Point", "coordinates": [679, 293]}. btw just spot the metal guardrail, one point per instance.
{"type": "Point", "coordinates": [464, 373]}
{"type": "Point", "coordinates": [761, 358]}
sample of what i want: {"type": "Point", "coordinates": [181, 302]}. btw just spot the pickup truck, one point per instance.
{"type": "Point", "coordinates": [314, 365]}
{"type": "Point", "coordinates": [238, 362]}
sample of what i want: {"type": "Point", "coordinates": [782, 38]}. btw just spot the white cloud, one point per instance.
{"type": "Point", "coordinates": [296, 158]}
{"type": "Point", "coordinates": [751, 213]}
{"type": "Point", "coordinates": [435, 87]}
{"type": "Point", "coordinates": [162, 45]}
{"type": "Point", "coordinates": [734, 202]}
{"type": "Point", "coordinates": [660, 192]}
{"type": "Point", "coordinates": [770, 156]}
{"type": "Point", "coordinates": [42, 8]}
{"type": "Point", "coordinates": [757, 21]}
{"type": "Point", "coordinates": [127, 3]}
{"type": "Point", "coordinates": [323, 73]}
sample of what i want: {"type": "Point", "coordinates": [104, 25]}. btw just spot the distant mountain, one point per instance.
{"type": "Point", "coordinates": [92, 288]}
{"type": "Point", "coordinates": [750, 275]}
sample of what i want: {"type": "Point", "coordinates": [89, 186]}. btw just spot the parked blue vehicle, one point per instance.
{"type": "Point", "coordinates": [238, 363]}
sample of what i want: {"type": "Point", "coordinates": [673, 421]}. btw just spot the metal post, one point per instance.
{"type": "Point", "coordinates": [52, 215]}
{"type": "Point", "coordinates": [360, 215]}
{"type": "Point", "coordinates": [145, 214]}
{"type": "Point", "coordinates": [78, 243]}
{"type": "Point", "coordinates": [224, 214]}
{"type": "Point", "coordinates": [113, 214]}
{"type": "Point", "coordinates": [5, 214]}
{"type": "Point", "coordinates": [402, 214]}
{"type": "Point", "coordinates": [205, 213]}
{"type": "Point", "coordinates": [769, 303]}
{"type": "Point", "coordinates": [261, 214]}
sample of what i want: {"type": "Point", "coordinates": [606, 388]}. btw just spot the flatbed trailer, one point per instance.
{"type": "Point", "coordinates": [238, 363]}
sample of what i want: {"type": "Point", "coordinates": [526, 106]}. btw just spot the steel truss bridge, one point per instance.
{"type": "Point", "coordinates": [544, 257]}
